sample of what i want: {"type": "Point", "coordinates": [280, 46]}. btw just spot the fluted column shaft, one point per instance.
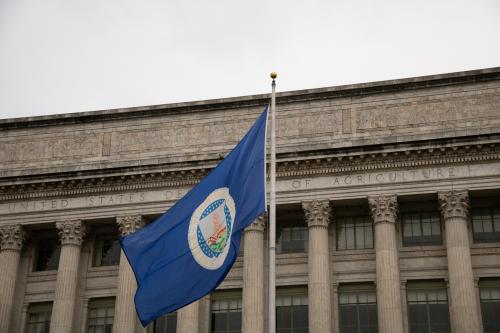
{"type": "Point", "coordinates": [10, 252]}
{"type": "Point", "coordinates": [390, 315]}
{"type": "Point", "coordinates": [253, 278]}
{"type": "Point", "coordinates": [188, 318]}
{"type": "Point", "coordinates": [463, 303]}
{"type": "Point", "coordinates": [317, 215]}
{"type": "Point", "coordinates": [71, 235]}
{"type": "Point", "coordinates": [125, 315]}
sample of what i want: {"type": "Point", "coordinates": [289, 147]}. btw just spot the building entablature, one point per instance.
{"type": "Point", "coordinates": [334, 162]}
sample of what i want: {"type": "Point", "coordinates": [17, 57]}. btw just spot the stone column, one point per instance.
{"type": "Point", "coordinates": [71, 234]}
{"type": "Point", "coordinates": [188, 318]}
{"type": "Point", "coordinates": [317, 215]}
{"type": "Point", "coordinates": [390, 315]}
{"type": "Point", "coordinates": [253, 278]}
{"type": "Point", "coordinates": [12, 237]}
{"type": "Point", "coordinates": [463, 304]}
{"type": "Point", "coordinates": [125, 315]}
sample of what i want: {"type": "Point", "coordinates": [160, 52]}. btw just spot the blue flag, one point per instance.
{"type": "Point", "coordinates": [188, 251]}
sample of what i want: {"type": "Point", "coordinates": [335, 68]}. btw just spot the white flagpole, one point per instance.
{"type": "Point", "coordinates": [272, 214]}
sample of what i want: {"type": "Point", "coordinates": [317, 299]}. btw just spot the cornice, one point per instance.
{"type": "Point", "coordinates": [351, 90]}
{"type": "Point", "coordinates": [313, 164]}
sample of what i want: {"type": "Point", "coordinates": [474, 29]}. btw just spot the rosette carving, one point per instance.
{"type": "Point", "coordinates": [129, 224]}
{"type": "Point", "coordinates": [259, 224]}
{"type": "Point", "coordinates": [11, 237]}
{"type": "Point", "coordinates": [317, 213]}
{"type": "Point", "coordinates": [71, 232]}
{"type": "Point", "coordinates": [454, 204]}
{"type": "Point", "coordinates": [384, 208]}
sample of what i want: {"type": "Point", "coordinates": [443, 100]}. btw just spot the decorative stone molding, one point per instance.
{"type": "Point", "coordinates": [129, 224]}
{"type": "Point", "coordinates": [384, 208]}
{"type": "Point", "coordinates": [454, 204]}
{"type": "Point", "coordinates": [259, 224]}
{"type": "Point", "coordinates": [189, 174]}
{"type": "Point", "coordinates": [317, 213]}
{"type": "Point", "coordinates": [71, 232]}
{"type": "Point", "coordinates": [12, 237]}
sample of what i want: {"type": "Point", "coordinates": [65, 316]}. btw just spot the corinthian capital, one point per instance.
{"type": "Point", "coordinates": [259, 224]}
{"type": "Point", "coordinates": [12, 237]}
{"type": "Point", "coordinates": [71, 232]}
{"type": "Point", "coordinates": [384, 208]}
{"type": "Point", "coordinates": [454, 204]}
{"type": "Point", "coordinates": [129, 224]}
{"type": "Point", "coordinates": [317, 213]}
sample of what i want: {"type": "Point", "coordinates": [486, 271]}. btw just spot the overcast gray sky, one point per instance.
{"type": "Point", "coordinates": [60, 56]}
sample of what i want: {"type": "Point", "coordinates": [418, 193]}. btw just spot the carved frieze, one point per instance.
{"type": "Point", "coordinates": [259, 224]}
{"type": "Point", "coordinates": [454, 204]}
{"type": "Point", "coordinates": [71, 232]}
{"type": "Point", "coordinates": [129, 224]}
{"type": "Point", "coordinates": [11, 237]}
{"type": "Point", "coordinates": [384, 208]}
{"type": "Point", "coordinates": [317, 213]}
{"type": "Point", "coordinates": [335, 164]}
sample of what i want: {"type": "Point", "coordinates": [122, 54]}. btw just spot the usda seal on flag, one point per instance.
{"type": "Point", "coordinates": [211, 227]}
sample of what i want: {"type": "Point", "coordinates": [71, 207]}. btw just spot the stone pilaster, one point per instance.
{"type": "Point", "coordinates": [463, 303]}
{"type": "Point", "coordinates": [188, 318]}
{"type": "Point", "coordinates": [390, 316]}
{"type": "Point", "coordinates": [71, 234]}
{"type": "Point", "coordinates": [125, 315]}
{"type": "Point", "coordinates": [24, 318]}
{"type": "Point", "coordinates": [85, 314]}
{"type": "Point", "coordinates": [336, 308]}
{"type": "Point", "coordinates": [317, 214]}
{"type": "Point", "coordinates": [11, 242]}
{"type": "Point", "coordinates": [404, 308]}
{"type": "Point", "coordinates": [253, 278]}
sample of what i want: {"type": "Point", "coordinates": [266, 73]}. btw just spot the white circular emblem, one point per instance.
{"type": "Point", "coordinates": [211, 227]}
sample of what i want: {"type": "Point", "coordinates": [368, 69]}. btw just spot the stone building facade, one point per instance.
{"type": "Point", "coordinates": [388, 210]}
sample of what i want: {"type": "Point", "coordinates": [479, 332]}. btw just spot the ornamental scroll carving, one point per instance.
{"type": "Point", "coordinates": [259, 224]}
{"type": "Point", "coordinates": [384, 208]}
{"type": "Point", "coordinates": [454, 204]}
{"type": "Point", "coordinates": [71, 232]}
{"type": "Point", "coordinates": [317, 213]}
{"type": "Point", "coordinates": [129, 224]}
{"type": "Point", "coordinates": [11, 237]}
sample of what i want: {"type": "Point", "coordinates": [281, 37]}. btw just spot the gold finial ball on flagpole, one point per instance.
{"type": "Point", "coordinates": [274, 75]}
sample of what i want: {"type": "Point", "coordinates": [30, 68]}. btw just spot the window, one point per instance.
{"type": "Point", "coordinates": [486, 224]}
{"type": "Point", "coordinates": [489, 291]}
{"type": "Point", "coordinates": [358, 308]}
{"type": "Point", "coordinates": [166, 323]}
{"type": "Point", "coordinates": [101, 314]}
{"type": "Point", "coordinates": [428, 307]}
{"type": "Point", "coordinates": [291, 312]}
{"type": "Point", "coordinates": [226, 313]}
{"type": "Point", "coordinates": [291, 231]}
{"type": "Point", "coordinates": [106, 251]}
{"type": "Point", "coordinates": [47, 254]}
{"type": "Point", "coordinates": [354, 233]}
{"type": "Point", "coordinates": [38, 320]}
{"type": "Point", "coordinates": [421, 228]}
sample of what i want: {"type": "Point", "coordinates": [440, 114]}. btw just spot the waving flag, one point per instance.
{"type": "Point", "coordinates": [188, 251]}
